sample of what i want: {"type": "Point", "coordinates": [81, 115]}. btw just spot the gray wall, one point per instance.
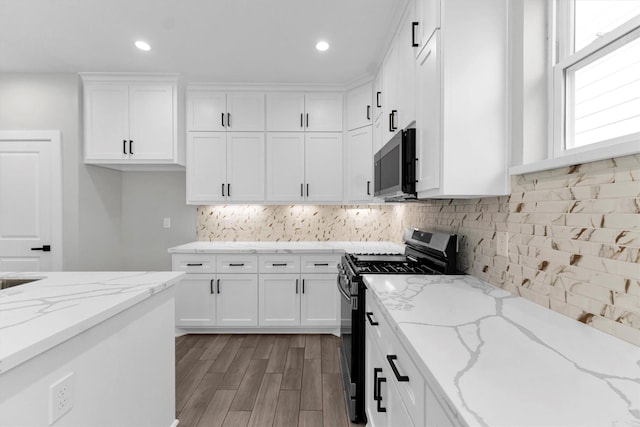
{"type": "Point", "coordinates": [147, 198]}
{"type": "Point", "coordinates": [104, 211]}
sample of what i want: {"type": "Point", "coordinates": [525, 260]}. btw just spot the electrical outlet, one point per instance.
{"type": "Point", "coordinates": [166, 222]}
{"type": "Point", "coordinates": [502, 243]}
{"type": "Point", "coordinates": [60, 398]}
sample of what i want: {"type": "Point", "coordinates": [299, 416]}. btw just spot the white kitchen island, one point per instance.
{"type": "Point", "coordinates": [103, 340]}
{"type": "Point", "coordinates": [485, 357]}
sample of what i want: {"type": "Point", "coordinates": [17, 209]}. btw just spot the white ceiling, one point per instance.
{"type": "Point", "coordinates": [246, 41]}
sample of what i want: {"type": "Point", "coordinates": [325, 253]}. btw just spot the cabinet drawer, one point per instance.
{"type": "Point", "coordinates": [278, 264]}
{"type": "Point", "coordinates": [194, 263]}
{"type": "Point", "coordinates": [237, 263]}
{"type": "Point", "coordinates": [319, 263]}
{"type": "Point", "coordinates": [409, 380]}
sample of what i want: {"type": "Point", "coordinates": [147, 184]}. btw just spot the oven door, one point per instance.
{"type": "Point", "coordinates": [349, 352]}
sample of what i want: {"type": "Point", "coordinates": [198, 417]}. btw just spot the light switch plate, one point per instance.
{"type": "Point", "coordinates": [166, 222]}
{"type": "Point", "coordinates": [502, 243]}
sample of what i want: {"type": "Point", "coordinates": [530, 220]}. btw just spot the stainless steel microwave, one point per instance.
{"type": "Point", "coordinates": [395, 167]}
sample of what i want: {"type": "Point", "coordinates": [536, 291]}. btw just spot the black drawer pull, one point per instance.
{"type": "Point", "coordinates": [413, 34]}
{"type": "Point", "coordinates": [240, 264]}
{"type": "Point", "coordinates": [371, 321]}
{"type": "Point", "coordinates": [321, 264]}
{"type": "Point", "coordinates": [194, 264]}
{"type": "Point", "coordinates": [279, 264]}
{"type": "Point", "coordinates": [400, 378]}
{"type": "Point", "coordinates": [379, 399]}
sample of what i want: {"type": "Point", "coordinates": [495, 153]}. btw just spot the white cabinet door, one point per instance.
{"type": "Point", "coordinates": [428, 122]}
{"type": "Point", "coordinates": [319, 302]}
{"type": "Point", "coordinates": [195, 300]}
{"type": "Point", "coordinates": [245, 111]}
{"type": "Point", "coordinates": [279, 299]}
{"type": "Point", "coordinates": [151, 126]}
{"type": "Point", "coordinates": [428, 19]}
{"type": "Point", "coordinates": [245, 162]}
{"type": "Point", "coordinates": [374, 369]}
{"type": "Point", "coordinates": [398, 414]}
{"type": "Point", "coordinates": [285, 111]}
{"type": "Point", "coordinates": [206, 167]}
{"type": "Point", "coordinates": [390, 78]}
{"type": "Point", "coordinates": [359, 164]}
{"type": "Point", "coordinates": [323, 167]}
{"type": "Point", "coordinates": [205, 110]}
{"type": "Point", "coordinates": [285, 166]}
{"type": "Point", "coordinates": [237, 300]}
{"type": "Point", "coordinates": [406, 77]}
{"type": "Point", "coordinates": [378, 134]}
{"type": "Point", "coordinates": [359, 107]}
{"type": "Point", "coordinates": [377, 95]}
{"type": "Point", "coordinates": [106, 121]}
{"type": "Point", "coordinates": [323, 112]}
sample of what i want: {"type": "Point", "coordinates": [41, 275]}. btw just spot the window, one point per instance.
{"type": "Point", "coordinates": [596, 76]}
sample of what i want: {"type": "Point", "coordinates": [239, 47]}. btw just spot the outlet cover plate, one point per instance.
{"type": "Point", "coordinates": [60, 397]}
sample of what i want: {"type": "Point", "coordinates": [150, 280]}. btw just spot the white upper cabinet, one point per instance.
{"type": "Point", "coordinates": [285, 166]}
{"type": "Point", "coordinates": [225, 167]}
{"type": "Point", "coordinates": [323, 167]}
{"type": "Point", "coordinates": [427, 20]}
{"type": "Point", "coordinates": [462, 121]}
{"type": "Point", "coordinates": [131, 121]}
{"type": "Point", "coordinates": [359, 107]}
{"type": "Point", "coordinates": [312, 112]}
{"type": "Point", "coordinates": [209, 110]}
{"type": "Point", "coordinates": [359, 161]}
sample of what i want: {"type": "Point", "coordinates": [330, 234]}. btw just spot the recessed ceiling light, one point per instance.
{"type": "Point", "coordinates": [322, 46]}
{"type": "Point", "coordinates": [142, 45]}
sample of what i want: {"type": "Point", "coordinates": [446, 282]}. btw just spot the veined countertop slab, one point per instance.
{"type": "Point", "coordinates": [40, 315]}
{"type": "Point", "coordinates": [286, 247]}
{"type": "Point", "coordinates": [502, 360]}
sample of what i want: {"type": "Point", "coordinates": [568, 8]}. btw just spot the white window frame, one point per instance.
{"type": "Point", "coordinates": [561, 142]}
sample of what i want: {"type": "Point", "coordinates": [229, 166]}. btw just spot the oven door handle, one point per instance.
{"type": "Point", "coordinates": [344, 294]}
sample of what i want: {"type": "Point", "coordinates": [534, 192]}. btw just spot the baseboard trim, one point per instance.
{"type": "Point", "coordinates": [262, 330]}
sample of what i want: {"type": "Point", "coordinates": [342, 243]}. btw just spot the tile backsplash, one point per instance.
{"type": "Point", "coordinates": [574, 236]}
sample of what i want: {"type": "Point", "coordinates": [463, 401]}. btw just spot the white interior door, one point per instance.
{"type": "Point", "coordinates": [30, 201]}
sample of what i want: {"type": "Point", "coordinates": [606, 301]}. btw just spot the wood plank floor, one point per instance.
{"type": "Point", "coordinates": [259, 380]}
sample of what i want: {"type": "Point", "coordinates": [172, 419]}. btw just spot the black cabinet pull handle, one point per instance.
{"type": "Point", "coordinates": [371, 321]}
{"type": "Point", "coordinates": [379, 399]}
{"type": "Point", "coordinates": [413, 34]}
{"type": "Point", "coordinates": [199, 264]}
{"type": "Point", "coordinates": [400, 378]}
{"type": "Point", "coordinates": [378, 99]}
{"type": "Point", "coordinates": [307, 190]}
{"type": "Point", "coordinates": [321, 264]}
{"type": "Point", "coordinates": [228, 190]}
{"type": "Point", "coordinates": [376, 371]}
{"type": "Point", "coordinates": [124, 146]}
{"type": "Point", "coordinates": [368, 112]}
{"type": "Point", "coordinates": [368, 188]}
{"type": "Point", "coordinates": [228, 119]}
{"type": "Point", "coordinates": [393, 119]}
{"type": "Point", "coordinates": [222, 117]}
{"type": "Point", "coordinates": [279, 264]}
{"type": "Point", "coordinates": [303, 286]}
{"type": "Point", "coordinates": [130, 147]}
{"type": "Point", "coordinates": [390, 122]}
{"type": "Point", "coordinates": [223, 189]}
{"type": "Point", "coordinates": [301, 122]}
{"type": "Point", "coordinates": [211, 286]}
{"type": "Point", "coordinates": [239, 264]}
{"type": "Point", "coordinates": [44, 248]}
{"type": "Point", "coordinates": [301, 190]}
{"type": "Point", "coordinates": [296, 286]}
{"type": "Point", "coordinates": [218, 285]}
{"type": "Point", "coordinates": [307, 119]}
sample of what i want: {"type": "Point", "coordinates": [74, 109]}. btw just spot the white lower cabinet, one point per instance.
{"type": "Point", "coordinates": [396, 392]}
{"type": "Point", "coordinates": [247, 291]}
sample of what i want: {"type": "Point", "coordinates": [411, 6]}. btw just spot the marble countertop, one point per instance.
{"type": "Point", "coordinates": [502, 360]}
{"type": "Point", "coordinates": [37, 316]}
{"type": "Point", "coordinates": [286, 247]}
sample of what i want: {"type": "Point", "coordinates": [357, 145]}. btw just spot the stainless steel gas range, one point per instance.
{"type": "Point", "coordinates": [425, 253]}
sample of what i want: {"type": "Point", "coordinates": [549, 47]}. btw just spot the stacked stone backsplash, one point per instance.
{"type": "Point", "coordinates": [574, 236]}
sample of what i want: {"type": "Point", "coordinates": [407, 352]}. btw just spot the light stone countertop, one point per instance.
{"type": "Point", "coordinates": [502, 360]}
{"type": "Point", "coordinates": [286, 247]}
{"type": "Point", "coordinates": [37, 316]}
